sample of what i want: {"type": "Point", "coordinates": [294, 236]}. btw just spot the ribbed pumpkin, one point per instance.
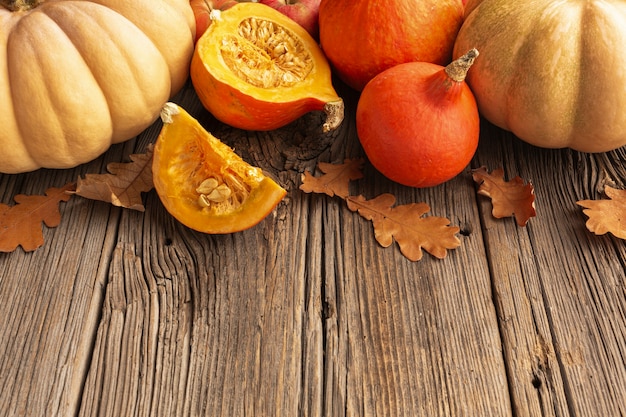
{"type": "Point", "coordinates": [550, 71]}
{"type": "Point", "coordinates": [78, 76]}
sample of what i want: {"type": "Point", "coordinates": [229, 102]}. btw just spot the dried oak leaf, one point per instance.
{"type": "Point", "coordinates": [20, 224]}
{"type": "Point", "coordinates": [508, 198]}
{"type": "Point", "coordinates": [336, 178]}
{"type": "Point", "coordinates": [406, 225]}
{"type": "Point", "coordinates": [124, 183]}
{"type": "Point", "coordinates": [607, 215]}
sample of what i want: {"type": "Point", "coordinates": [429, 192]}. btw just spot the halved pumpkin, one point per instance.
{"type": "Point", "coordinates": [256, 69]}
{"type": "Point", "coordinates": [203, 183]}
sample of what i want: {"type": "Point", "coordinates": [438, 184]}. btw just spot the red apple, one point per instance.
{"type": "Point", "coordinates": [304, 12]}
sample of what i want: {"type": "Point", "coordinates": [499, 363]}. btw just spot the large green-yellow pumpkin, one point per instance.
{"type": "Point", "coordinates": [551, 71]}
{"type": "Point", "coordinates": [77, 76]}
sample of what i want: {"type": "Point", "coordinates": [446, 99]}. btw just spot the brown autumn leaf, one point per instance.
{"type": "Point", "coordinates": [124, 183]}
{"type": "Point", "coordinates": [406, 225]}
{"type": "Point", "coordinates": [607, 215]}
{"type": "Point", "coordinates": [20, 224]}
{"type": "Point", "coordinates": [336, 178]}
{"type": "Point", "coordinates": [403, 223]}
{"type": "Point", "coordinates": [508, 198]}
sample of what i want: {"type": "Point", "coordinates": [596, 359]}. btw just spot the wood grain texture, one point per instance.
{"type": "Point", "coordinates": [129, 313]}
{"type": "Point", "coordinates": [559, 289]}
{"type": "Point", "coordinates": [50, 302]}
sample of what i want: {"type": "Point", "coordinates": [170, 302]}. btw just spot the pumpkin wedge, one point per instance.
{"type": "Point", "coordinates": [203, 183]}
{"type": "Point", "coordinates": [256, 69]}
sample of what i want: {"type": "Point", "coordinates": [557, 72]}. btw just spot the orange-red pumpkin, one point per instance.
{"type": "Point", "coordinates": [361, 38]}
{"type": "Point", "coordinates": [418, 122]}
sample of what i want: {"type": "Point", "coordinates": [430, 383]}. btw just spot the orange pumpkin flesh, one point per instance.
{"type": "Point", "coordinates": [203, 183]}
{"type": "Point", "coordinates": [418, 122]}
{"type": "Point", "coordinates": [256, 69]}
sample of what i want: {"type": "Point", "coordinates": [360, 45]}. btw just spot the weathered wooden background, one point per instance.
{"type": "Point", "coordinates": [123, 313]}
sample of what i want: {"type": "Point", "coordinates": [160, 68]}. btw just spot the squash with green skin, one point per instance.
{"type": "Point", "coordinates": [550, 71]}
{"type": "Point", "coordinates": [78, 76]}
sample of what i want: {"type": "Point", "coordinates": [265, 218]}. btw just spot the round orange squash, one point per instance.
{"type": "Point", "coordinates": [418, 122]}
{"type": "Point", "coordinates": [256, 69]}
{"type": "Point", "coordinates": [550, 71]}
{"type": "Point", "coordinates": [78, 76]}
{"type": "Point", "coordinates": [361, 38]}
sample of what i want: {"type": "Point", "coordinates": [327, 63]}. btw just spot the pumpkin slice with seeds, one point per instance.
{"type": "Point", "coordinates": [256, 69]}
{"type": "Point", "coordinates": [203, 183]}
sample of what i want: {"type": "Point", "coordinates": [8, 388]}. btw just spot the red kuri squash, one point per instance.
{"type": "Point", "coordinates": [418, 122]}
{"type": "Point", "coordinates": [361, 38]}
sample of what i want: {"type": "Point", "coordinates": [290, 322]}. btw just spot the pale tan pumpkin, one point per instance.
{"type": "Point", "coordinates": [78, 76]}
{"type": "Point", "coordinates": [470, 5]}
{"type": "Point", "coordinates": [550, 71]}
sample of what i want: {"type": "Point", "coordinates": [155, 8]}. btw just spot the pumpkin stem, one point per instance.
{"type": "Point", "coordinates": [334, 115]}
{"type": "Point", "coordinates": [168, 110]}
{"type": "Point", "coordinates": [19, 5]}
{"type": "Point", "coordinates": [457, 69]}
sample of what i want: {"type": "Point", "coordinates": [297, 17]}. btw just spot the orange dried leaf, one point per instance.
{"type": "Point", "coordinates": [406, 225]}
{"type": "Point", "coordinates": [20, 224]}
{"type": "Point", "coordinates": [124, 183]}
{"type": "Point", "coordinates": [336, 178]}
{"type": "Point", "coordinates": [607, 215]}
{"type": "Point", "coordinates": [508, 198]}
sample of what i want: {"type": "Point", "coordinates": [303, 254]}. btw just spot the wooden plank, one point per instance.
{"type": "Point", "coordinates": [419, 339]}
{"type": "Point", "coordinates": [305, 314]}
{"type": "Point", "coordinates": [559, 289]}
{"type": "Point", "coordinates": [50, 300]}
{"type": "Point", "coordinates": [128, 313]}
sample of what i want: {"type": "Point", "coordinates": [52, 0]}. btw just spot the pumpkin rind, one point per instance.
{"type": "Point", "coordinates": [550, 71]}
{"type": "Point", "coordinates": [78, 76]}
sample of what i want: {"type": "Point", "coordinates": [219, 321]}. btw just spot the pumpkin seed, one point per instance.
{"type": "Point", "coordinates": [212, 192]}
{"type": "Point", "coordinates": [266, 54]}
{"type": "Point", "coordinates": [207, 186]}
